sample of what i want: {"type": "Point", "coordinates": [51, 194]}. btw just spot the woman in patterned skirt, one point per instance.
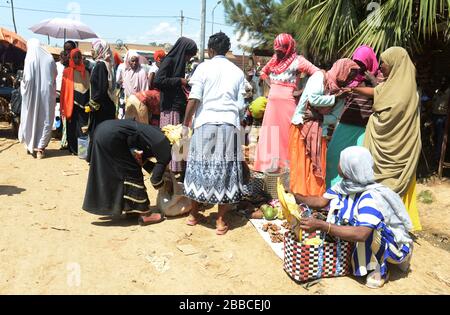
{"type": "Point", "coordinates": [214, 172]}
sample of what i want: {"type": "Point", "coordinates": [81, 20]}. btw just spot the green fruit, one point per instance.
{"type": "Point", "coordinates": [270, 213]}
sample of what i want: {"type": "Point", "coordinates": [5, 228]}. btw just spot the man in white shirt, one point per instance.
{"type": "Point", "coordinates": [214, 172]}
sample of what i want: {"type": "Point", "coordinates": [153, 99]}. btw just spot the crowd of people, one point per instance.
{"type": "Point", "coordinates": [349, 136]}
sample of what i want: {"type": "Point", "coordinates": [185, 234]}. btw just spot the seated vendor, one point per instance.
{"type": "Point", "coordinates": [366, 213]}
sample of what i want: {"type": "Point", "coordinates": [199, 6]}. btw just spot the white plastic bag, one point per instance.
{"type": "Point", "coordinates": [171, 199]}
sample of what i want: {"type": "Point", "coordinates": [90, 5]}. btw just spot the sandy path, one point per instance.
{"type": "Point", "coordinates": [48, 245]}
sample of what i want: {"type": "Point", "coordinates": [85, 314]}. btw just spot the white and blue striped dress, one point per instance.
{"type": "Point", "coordinates": [362, 210]}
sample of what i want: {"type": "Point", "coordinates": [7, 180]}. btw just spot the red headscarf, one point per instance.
{"type": "Point", "coordinates": [80, 68]}
{"type": "Point", "coordinates": [339, 72]}
{"type": "Point", "coordinates": [285, 43]}
{"type": "Point", "coordinates": [67, 87]}
{"type": "Point", "coordinates": [151, 99]}
{"type": "Point", "coordinates": [117, 59]}
{"type": "Point", "coordinates": [159, 55]}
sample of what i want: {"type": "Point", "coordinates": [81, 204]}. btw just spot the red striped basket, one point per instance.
{"type": "Point", "coordinates": [304, 263]}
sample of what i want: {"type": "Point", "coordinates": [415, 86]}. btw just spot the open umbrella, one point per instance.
{"type": "Point", "coordinates": [63, 28]}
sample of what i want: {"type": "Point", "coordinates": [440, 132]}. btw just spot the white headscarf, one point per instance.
{"type": "Point", "coordinates": [133, 53]}
{"type": "Point", "coordinates": [357, 167]}
{"type": "Point", "coordinates": [38, 89]}
{"type": "Point", "coordinates": [103, 53]}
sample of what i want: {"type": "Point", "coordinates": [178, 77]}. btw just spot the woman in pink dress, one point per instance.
{"type": "Point", "coordinates": [284, 71]}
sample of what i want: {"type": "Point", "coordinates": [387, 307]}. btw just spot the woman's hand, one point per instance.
{"type": "Point", "coordinates": [138, 157]}
{"type": "Point", "coordinates": [309, 115]}
{"type": "Point", "coordinates": [184, 82]}
{"type": "Point", "coordinates": [298, 93]}
{"type": "Point", "coordinates": [185, 132]}
{"type": "Point", "coordinates": [370, 77]}
{"type": "Point", "coordinates": [312, 224]}
{"type": "Point", "coordinates": [343, 93]}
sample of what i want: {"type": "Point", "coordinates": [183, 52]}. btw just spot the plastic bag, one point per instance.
{"type": "Point", "coordinates": [171, 199]}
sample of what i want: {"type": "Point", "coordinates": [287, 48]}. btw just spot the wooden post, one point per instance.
{"type": "Point", "coordinates": [13, 16]}
{"type": "Point", "coordinates": [182, 22]}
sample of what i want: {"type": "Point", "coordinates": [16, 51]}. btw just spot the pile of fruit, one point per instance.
{"type": "Point", "coordinates": [286, 225]}
{"type": "Point", "coordinates": [272, 211]}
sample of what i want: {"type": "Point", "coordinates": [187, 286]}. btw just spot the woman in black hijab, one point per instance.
{"type": "Point", "coordinates": [171, 81]}
{"type": "Point", "coordinates": [121, 148]}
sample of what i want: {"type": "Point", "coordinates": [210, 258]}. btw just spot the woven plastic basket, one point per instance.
{"type": "Point", "coordinates": [271, 181]}
{"type": "Point", "coordinates": [272, 175]}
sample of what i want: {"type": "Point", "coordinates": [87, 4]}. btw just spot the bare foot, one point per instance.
{"type": "Point", "coordinates": [258, 214]}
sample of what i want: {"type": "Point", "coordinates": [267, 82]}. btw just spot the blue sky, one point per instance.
{"type": "Point", "coordinates": [129, 30]}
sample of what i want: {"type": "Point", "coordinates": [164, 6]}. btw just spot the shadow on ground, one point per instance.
{"type": "Point", "coordinates": [10, 190]}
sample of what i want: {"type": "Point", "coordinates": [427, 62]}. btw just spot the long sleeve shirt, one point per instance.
{"type": "Point", "coordinates": [173, 98]}
{"type": "Point", "coordinates": [314, 93]}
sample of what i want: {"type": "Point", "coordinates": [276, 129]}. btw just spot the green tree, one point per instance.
{"type": "Point", "coordinates": [262, 20]}
{"type": "Point", "coordinates": [338, 27]}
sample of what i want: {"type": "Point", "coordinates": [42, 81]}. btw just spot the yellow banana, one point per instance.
{"type": "Point", "coordinates": [290, 209]}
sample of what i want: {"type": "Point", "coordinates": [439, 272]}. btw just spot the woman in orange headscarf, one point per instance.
{"type": "Point", "coordinates": [74, 97]}
{"type": "Point", "coordinates": [158, 56]}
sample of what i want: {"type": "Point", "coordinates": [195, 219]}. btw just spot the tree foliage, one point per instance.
{"type": "Point", "coordinates": [338, 27]}
{"type": "Point", "coordinates": [330, 29]}
{"type": "Point", "coordinates": [261, 20]}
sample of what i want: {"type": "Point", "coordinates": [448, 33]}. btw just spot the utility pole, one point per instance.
{"type": "Point", "coordinates": [203, 32]}
{"type": "Point", "coordinates": [182, 22]}
{"type": "Point", "coordinates": [13, 16]}
{"type": "Point", "coordinates": [217, 4]}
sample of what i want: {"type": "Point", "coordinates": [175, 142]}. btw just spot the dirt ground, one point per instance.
{"type": "Point", "coordinates": [48, 245]}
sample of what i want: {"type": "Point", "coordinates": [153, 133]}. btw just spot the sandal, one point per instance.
{"type": "Point", "coordinates": [193, 221]}
{"type": "Point", "coordinates": [138, 212]}
{"type": "Point", "coordinates": [222, 231]}
{"type": "Point", "coordinates": [375, 281]}
{"type": "Point", "coordinates": [40, 154]}
{"type": "Point", "coordinates": [153, 218]}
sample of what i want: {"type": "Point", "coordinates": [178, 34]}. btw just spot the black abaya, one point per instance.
{"type": "Point", "coordinates": [78, 120]}
{"type": "Point", "coordinates": [116, 182]}
{"type": "Point", "coordinates": [99, 94]}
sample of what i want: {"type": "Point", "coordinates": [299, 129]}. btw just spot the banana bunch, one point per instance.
{"type": "Point", "coordinates": [313, 241]}
{"type": "Point", "coordinates": [174, 133]}
{"type": "Point", "coordinates": [290, 209]}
